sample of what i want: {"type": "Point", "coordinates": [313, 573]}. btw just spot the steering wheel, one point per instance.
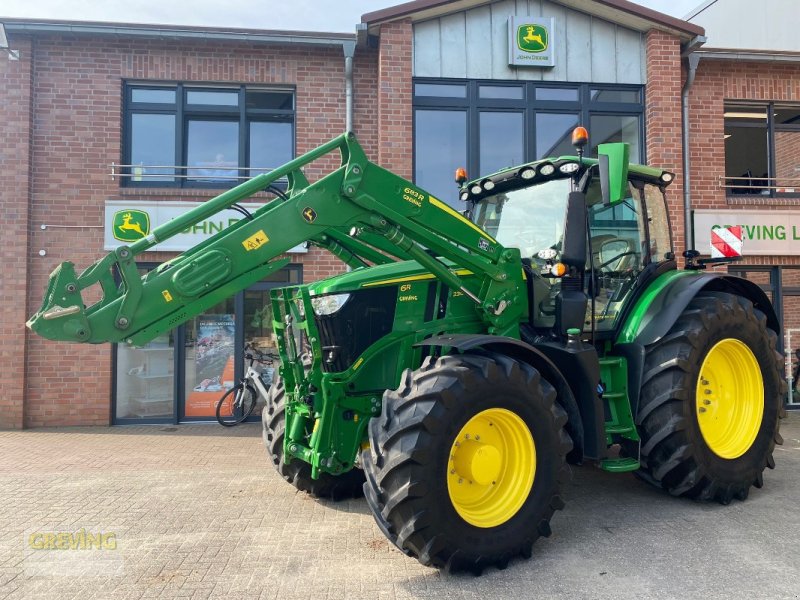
{"type": "Point", "coordinates": [617, 257]}
{"type": "Point", "coordinates": [625, 250]}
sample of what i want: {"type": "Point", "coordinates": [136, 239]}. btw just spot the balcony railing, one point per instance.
{"type": "Point", "coordinates": [760, 186]}
{"type": "Point", "coordinates": [207, 173]}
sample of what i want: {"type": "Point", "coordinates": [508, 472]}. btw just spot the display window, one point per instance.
{"type": "Point", "coordinates": [179, 376]}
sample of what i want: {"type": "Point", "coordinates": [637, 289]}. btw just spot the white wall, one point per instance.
{"type": "Point", "coordinates": [474, 44]}
{"type": "Point", "coordinates": [770, 25]}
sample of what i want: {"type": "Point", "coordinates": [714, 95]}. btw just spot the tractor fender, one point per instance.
{"type": "Point", "coordinates": [660, 315]}
{"type": "Point", "coordinates": [521, 351]}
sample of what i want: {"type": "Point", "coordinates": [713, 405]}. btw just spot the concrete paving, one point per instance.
{"type": "Point", "coordinates": [196, 512]}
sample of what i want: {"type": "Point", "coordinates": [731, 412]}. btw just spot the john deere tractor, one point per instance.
{"type": "Point", "coordinates": [467, 357]}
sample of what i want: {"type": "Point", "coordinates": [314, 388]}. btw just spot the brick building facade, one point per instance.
{"type": "Point", "coordinates": [63, 115]}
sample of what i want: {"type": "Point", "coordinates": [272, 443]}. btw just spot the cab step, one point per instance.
{"type": "Point", "coordinates": [619, 465]}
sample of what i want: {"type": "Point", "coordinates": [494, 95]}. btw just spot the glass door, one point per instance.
{"type": "Point", "coordinates": [257, 327]}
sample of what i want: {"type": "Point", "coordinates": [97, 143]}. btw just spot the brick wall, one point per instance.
{"type": "Point", "coordinates": [716, 82]}
{"type": "Point", "coordinates": [15, 128]}
{"type": "Point", "coordinates": [663, 121]}
{"type": "Point", "coordinates": [76, 135]}
{"type": "Point", "coordinates": [395, 132]}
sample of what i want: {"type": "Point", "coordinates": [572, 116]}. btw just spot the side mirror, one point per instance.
{"type": "Point", "coordinates": [613, 160]}
{"type": "Point", "coordinates": [573, 253]}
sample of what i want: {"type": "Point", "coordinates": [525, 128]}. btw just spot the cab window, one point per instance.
{"type": "Point", "coordinates": [618, 253]}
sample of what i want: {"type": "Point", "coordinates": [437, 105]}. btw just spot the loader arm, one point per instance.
{"type": "Point", "coordinates": [360, 212]}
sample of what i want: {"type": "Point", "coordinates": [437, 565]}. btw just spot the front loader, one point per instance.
{"type": "Point", "coordinates": [466, 358]}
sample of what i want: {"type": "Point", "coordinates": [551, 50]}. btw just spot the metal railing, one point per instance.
{"type": "Point", "coordinates": [757, 186]}
{"type": "Point", "coordinates": [184, 172]}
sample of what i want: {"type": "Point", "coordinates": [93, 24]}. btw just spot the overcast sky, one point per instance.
{"type": "Point", "coordinates": [303, 15]}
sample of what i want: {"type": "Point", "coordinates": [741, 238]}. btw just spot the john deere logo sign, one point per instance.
{"type": "Point", "coordinates": [532, 38]}
{"type": "Point", "coordinates": [530, 42]}
{"type": "Point", "coordinates": [130, 225]}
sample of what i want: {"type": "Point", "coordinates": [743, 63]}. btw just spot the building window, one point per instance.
{"type": "Point", "coordinates": [201, 136]}
{"type": "Point", "coordinates": [486, 126]}
{"type": "Point", "coordinates": [762, 149]}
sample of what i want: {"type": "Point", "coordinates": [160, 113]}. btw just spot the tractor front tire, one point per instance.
{"type": "Point", "coordinates": [711, 401]}
{"type": "Point", "coordinates": [297, 472]}
{"type": "Point", "coordinates": [466, 461]}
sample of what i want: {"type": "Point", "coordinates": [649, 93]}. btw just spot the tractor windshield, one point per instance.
{"type": "Point", "coordinates": [530, 218]}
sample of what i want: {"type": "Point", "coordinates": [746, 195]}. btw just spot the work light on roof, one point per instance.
{"type": "Point", "coordinates": [527, 173]}
{"type": "Point", "coordinates": [547, 169]}
{"type": "Point", "coordinates": [569, 167]}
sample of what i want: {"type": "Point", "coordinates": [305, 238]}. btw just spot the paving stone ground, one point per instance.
{"type": "Point", "coordinates": [196, 512]}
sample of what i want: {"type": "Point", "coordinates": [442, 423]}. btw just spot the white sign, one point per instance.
{"type": "Point", "coordinates": [531, 42]}
{"type": "Point", "coordinates": [125, 219]}
{"type": "Point", "coordinates": [764, 233]}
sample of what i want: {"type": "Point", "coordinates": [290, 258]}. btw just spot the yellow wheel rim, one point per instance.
{"type": "Point", "coordinates": [729, 398]}
{"type": "Point", "coordinates": [491, 467]}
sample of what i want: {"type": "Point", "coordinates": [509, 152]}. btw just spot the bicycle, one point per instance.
{"type": "Point", "coordinates": [240, 401]}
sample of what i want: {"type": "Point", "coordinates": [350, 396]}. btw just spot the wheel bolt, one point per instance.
{"type": "Point", "coordinates": [702, 410]}
{"type": "Point", "coordinates": [460, 481]}
{"type": "Point", "coordinates": [477, 437]}
{"type": "Point", "coordinates": [706, 392]}
{"type": "Point", "coordinates": [703, 381]}
{"type": "Point", "coordinates": [452, 471]}
{"type": "Point", "coordinates": [706, 402]}
{"type": "Point", "coordinates": [466, 435]}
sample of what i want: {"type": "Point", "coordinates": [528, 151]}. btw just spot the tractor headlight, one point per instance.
{"type": "Point", "coordinates": [329, 304]}
{"type": "Point", "coordinates": [547, 169]}
{"type": "Point", "coordinates": [527, 173]}
{"type": "Point", "coordinates": [488, 185]}
{"type": "Point", "coordinates": [569, 167]}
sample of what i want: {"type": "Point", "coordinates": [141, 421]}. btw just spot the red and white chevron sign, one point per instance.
{"type": "Point", "coordinates": [726, 242]}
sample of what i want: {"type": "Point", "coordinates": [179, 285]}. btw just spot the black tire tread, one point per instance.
{"type": "Point", "coordinates": [668, 455]}
{"type": "Point", "coordinates": [411, 421]}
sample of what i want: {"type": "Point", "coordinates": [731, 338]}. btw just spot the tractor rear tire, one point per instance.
{"type": "Point", "coordinates": [711, 401]}
{"type": "Point", "coordinates": [466, 461]}
{"type": "Point", "coordinates": [297, 472]}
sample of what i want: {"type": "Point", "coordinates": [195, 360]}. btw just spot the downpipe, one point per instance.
{"type": "Point", "coordinates": [693, 58]}
{"type": "Point", "coordinates": [349, 50]}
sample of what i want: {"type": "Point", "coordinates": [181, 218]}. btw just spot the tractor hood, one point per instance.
{"type": "Point", "coordinates": [390, 274]}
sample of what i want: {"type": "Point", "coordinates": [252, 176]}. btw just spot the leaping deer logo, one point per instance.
{"type": "Point", "coordinates": [530, 37]}
{"type": "Point", "coordinates": [131, 225]}
{"type": "Point", "coordinates": [127, 225]}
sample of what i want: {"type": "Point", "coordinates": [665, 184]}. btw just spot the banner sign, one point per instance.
{"type": "Point", "coordinates": [764, 233]}
{"type": "Point", "coordinates": [213, 364]}
{"type": "Point", "coordinates": [531, 42]}
{"type": "Point", "coordinates": [129, 220]}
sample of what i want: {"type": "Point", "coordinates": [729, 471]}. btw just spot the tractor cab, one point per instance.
{"type": "Point", "coordinates": [588, 230]}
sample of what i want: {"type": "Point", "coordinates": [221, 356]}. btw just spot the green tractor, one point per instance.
{"type": "Point", "coordinates": [466, 358]}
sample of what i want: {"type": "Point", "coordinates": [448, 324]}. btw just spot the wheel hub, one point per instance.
{"type": "Point", "coordinates": [491, 467]}
{"type": "Point", "coordinates": [477, 462]}
{"type": "Point", "coordinates": [729, 398]}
